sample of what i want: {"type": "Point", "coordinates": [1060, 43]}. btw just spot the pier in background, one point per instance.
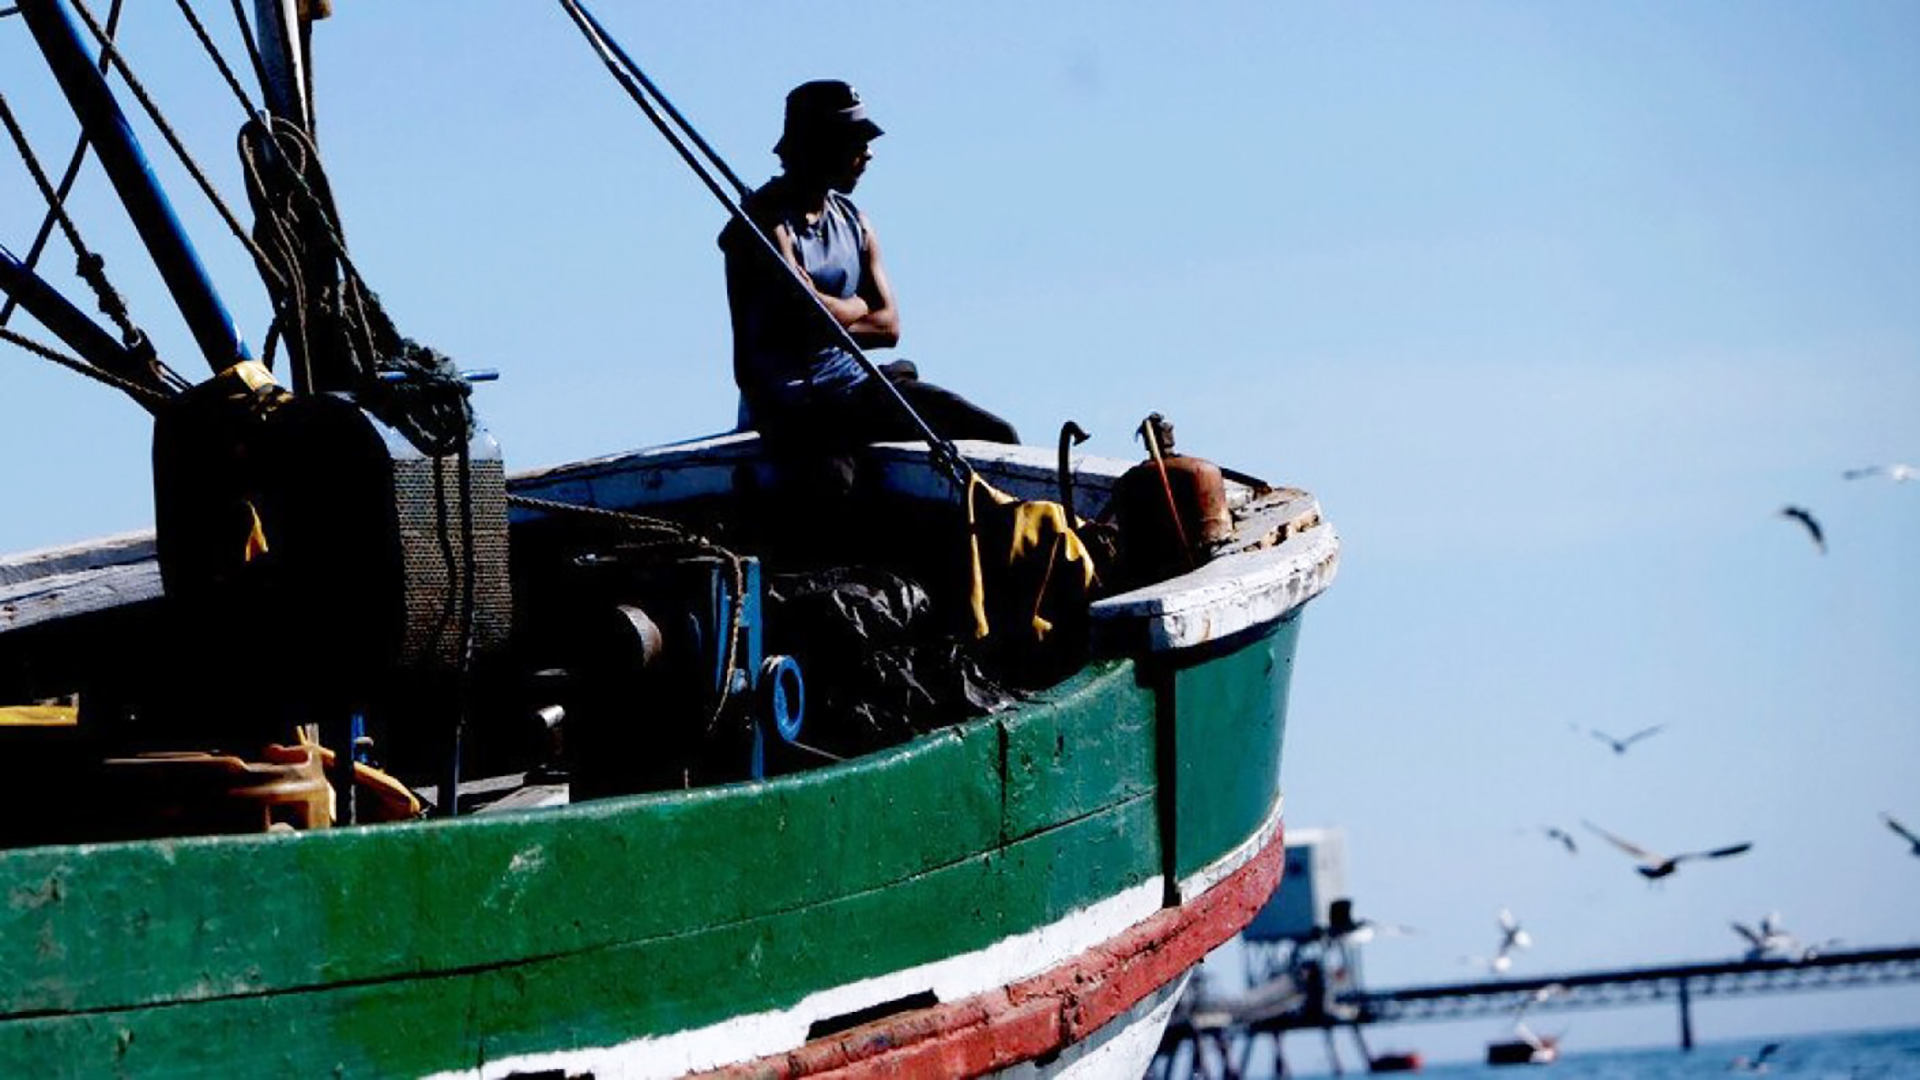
{"type": "Point", "coordinates": [1304, 973]}
{"type": "Point", "coordinates": [1217, 1036]}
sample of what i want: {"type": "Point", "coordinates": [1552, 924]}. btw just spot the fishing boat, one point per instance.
{"type": "Point", "coordinates": [622, 767]}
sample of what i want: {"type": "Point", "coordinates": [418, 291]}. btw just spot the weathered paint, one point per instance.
{"type": "Point", "coordinates": [1039, 1016]}
{"type": "Point", "coordinates": [1070, 758]}
{"type": "Point", "coordinates": [1231, 714]}
{"type": "Point", "coordinates": [1126, 1050]}
{"type": "Point", "coordinates": [1232, 595]}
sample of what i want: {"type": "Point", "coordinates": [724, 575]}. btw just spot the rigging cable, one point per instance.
{"type": "Point", "coordinates": [145, 395]}
{"type": "Point", "coordinates": [246, 38]}
{"type": "Point", "coordinates": [213, 53]}
{"type": "Point", "coordinates": [92, 269]}
{"type": "Point", "coordinates": [67, 176]}
{"type": "Point", "coordinates": [666, 105]}
{"type": "Point", "coordinates": [112, 52]}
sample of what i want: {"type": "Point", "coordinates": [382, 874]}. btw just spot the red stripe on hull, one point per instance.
{"type": "Point", "coordinates": [1037, 1016]}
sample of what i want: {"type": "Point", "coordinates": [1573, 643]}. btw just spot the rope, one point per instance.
{"type": "Point", "coordinates": [679, 534]}
{"type": "Point", "coordinates": [459, 569]}
{"type": "Point", "coordinates": [296, 216]}
{"type": "Point", "coordinates": [152, 399]}
{"type": "Point", "coordinates": [246, 37]}
{"type": "Point", "coordinates": [89, 265]}
{"type": "Point", "coordinates": [67, 178]}
{"type": "Point", "coordinates": [109, 51]}
{"type": "Point", "coordinates": [213, 52]}
{"type": "Point", "coordinates": [343, 324]}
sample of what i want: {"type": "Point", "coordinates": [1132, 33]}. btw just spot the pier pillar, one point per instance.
{"type": "Point", "coordinates": [1686, 1017]}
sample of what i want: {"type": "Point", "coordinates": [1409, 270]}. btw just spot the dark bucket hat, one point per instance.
{"type": "Point", "coordinates": [825, 110]}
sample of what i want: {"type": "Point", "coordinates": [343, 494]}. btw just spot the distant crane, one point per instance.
{"type": "Point", "coordinates": [1654, 866]}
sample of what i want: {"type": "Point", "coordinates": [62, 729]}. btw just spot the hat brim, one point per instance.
{"type": "Point", "coordinates": [861, 130]}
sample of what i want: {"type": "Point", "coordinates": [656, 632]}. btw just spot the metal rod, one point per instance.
{"type": "Point", "coordinates": [945, 455]}
{"type": "Point", "coordinates": [140, 191]}
{"type": "Point", "coordinates": [68, 323]}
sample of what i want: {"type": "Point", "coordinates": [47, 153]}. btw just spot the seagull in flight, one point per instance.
{"type": "Point", "coordinates": [1620, 745]}
{"type": "Point", "coordinates": [1755, 1064]}
{"type": "Point", "coordinates": [1770, 940]}
{"type": "Point", "coordinates": [1565, 838]}
{"type": "Point", "coordinates": [1899, 474]}
{"type": "Point", "coordinates": [1342, 927]}
{"type": "Point", "coordinates": [1511, 935]}
{"type": "Point", "coordinates": [1905, 833]}
{"type": "Point", "coordinates": [1800, 514]}
{"type": "Point", "coordinates": [1654, 866]}
{"type": "Point", "coordinates": [1512, 939]}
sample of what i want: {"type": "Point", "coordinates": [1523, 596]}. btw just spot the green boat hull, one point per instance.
{"type": "Point", "coordinates": [439, 946]}
{"type": "Point", "coordinates": [1084, 848]}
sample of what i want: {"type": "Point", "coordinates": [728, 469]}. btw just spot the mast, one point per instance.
{"type": "Point", "coordinates": [282, 27]}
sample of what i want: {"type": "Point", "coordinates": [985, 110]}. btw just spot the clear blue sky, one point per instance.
{"type": "Point", "coordinates": [1554, 306]}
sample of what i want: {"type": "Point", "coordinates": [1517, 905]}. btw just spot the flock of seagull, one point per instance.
{"type": "Point", "coordinates": [1648, 863]}
{"type": "Point", "coordinates": [1898, 473]}
{"type": "Point", "coordinates": [1766, 939]}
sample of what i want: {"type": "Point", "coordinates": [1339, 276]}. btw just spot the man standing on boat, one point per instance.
{"type": "Point", "coordinates": [799, 386]}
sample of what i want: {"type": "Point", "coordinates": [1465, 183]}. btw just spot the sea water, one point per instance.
{"type": "Point", "coordinates": [1870, 1055]}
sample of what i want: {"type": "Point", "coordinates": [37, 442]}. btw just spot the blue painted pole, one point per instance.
{"type": "Point", "coordinates": [126, 165]}
{"type": "Point", "coordinates": [68, 323]}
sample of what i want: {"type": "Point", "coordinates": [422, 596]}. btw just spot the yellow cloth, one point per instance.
{"type": "Point", "coordinates": [256, 537]}
{"type": "Point", "coordinates": [1040, 530]}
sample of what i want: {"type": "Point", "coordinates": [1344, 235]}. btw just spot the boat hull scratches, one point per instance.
{"type": "Point", "coordinates": [1022, 1025]}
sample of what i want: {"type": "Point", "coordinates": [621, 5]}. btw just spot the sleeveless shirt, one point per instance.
{"type": "Point", "coordinates": [777, 363]}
